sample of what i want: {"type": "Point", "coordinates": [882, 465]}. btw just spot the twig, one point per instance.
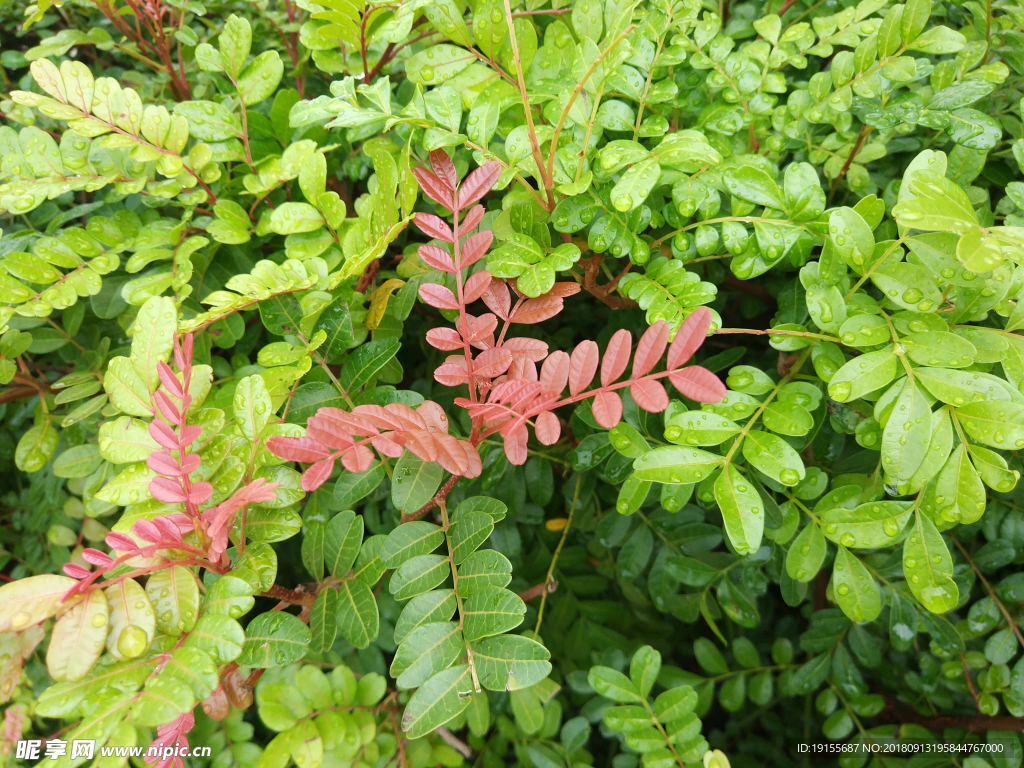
{"type": "Point", "coordinates": [904, 713]}
{"type": "Point", "coordinates": [455, 743]}
{"type": "Point", "coordinates": [438, 498]}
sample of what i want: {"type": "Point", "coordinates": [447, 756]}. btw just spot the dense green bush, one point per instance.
{"type": "Point", "coordinates": [701, 448]}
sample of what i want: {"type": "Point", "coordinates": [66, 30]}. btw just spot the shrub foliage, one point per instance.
{"type": "Point", "coordinates": [621, 383]}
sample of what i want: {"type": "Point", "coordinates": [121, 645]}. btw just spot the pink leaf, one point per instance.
{"type": "Point", "coordinates": [607, 409]}
{"type": "Point", "coordinates": [437, 258]}
{"type": "Point", "coordinates": [433, 187]}
{"type": "Point", "coordinates": [450, 454]}
{"type": "Point", "coordinates": [689, 337]}
{"type": "Point", "coordinates": [516, 446]}
{"type": "Point", "coordinates": [147, 531]}
{"type": "Point", "coordinates": [525, 347]}
{"type": "Point", "coordinates": [166, 490]}
{"type": "Point", "coordinates": [492, 362]}
{"type": "Point", "coordinates": [475, 466]}
{"type": "Point", "coordinates": [535, 311]}
{"type": "Point", "coordinates": [475, 247]}
{"type": "Point", "coordinates": [434, 227]}
{"type": "Point", "coordinates": [472, 219]}
{"type": "Point", "coordinates": [445, 339]}
{"type": "Point", "coordinates": [421, 443]}
{"type": "Point", "coordinates": [555, 373]}
{"type": "Point", "coordinates": [433, 416]}
{"type": "Point", "coordinates": [548, 428]}
{"type": "Point", "coordinates": [476, 285]}
{"type": "Point", "coordinates": [616, 358]}
{"type": "Point", "coordinates": [76, 571]}
{"type": "Point", "coordinates": [169, 380]}
{"type": "Point", "coordinates": [478, 183]}
{"type": "Point", "coordinates": [522, 368]}
{"type": "Point", "coordinates": [168, 528]}
{"type": "Point", "coordinates": [438, 296]}
{"type": "Point", "coordinates": [650, 348]}
{"type": "Point", "coordinates": [583, 366]}
{"type": "Point", "coordinates": [303, 449]}
{"type": "Point", "coordinates": [563, 290]}
{"type": "Point", "coordinates": [443, 166]}
{"type": "Point", "coordinates": [498, 299]}
{"type": "Point", "coordinates": [96, 557]}
{"type": "Point", "coordinates": [698, 384]}
{"type": "Point", "coordinates": [358, 459]}
{"type": "Point", "coordinates": [167, 409]}
{"type": "Point", "coordinates": [317, 474]}
{"type": "Point", "coordinates": [120, 543]}
{"type": "Point", "coordinates": [451, 374]}
{"type": "Point", "coordinates": [190, 434]}
{"type": "Point", "coordinates": [163, 434]}
{"type": "Point", "coordinates": [190, 463]}
{"type": "Point", "coordinates": [649, 395]}
{"type": "Point", "coordinates": [482, 329]}
{"type": "Point", "coordinates": [200, 493]}
{"type": "Point", "coordinates": [163, 463]}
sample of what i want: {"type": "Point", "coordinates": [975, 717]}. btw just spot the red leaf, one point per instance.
{"type": "Point", "coordinates": [166, 490]}
{"type": "Point", "coordinates": [169, 380]}
{"type": "Point", "coordinates": [331, 435]}
{"type": "Point", "coordinates": [548, 428]}
{"type": "Point", "coordinates": [76, 571]}
{"type": "Point", "coordinates": [698, 384]}
{"type": "Point", "coordinates": [438, 296]}
{"type": "Point", "coordinates": [96, 557]}
{"type": "Point", "coordinates": [472, 459]}
{"type": "Point", "coordinates": [450, 454]}
{"type": "Point", "coordinates": [563, 290]}
{"type": "Point", "coordinates": [443, 166]}
{"type": "Point", "coordinates": [607, 409]}
{"type": "Point", "coordinates": [514, 391]}
{"type": "Point", "coordinates": [498, 299]}
{"type": "Point", "coordinates": [434, 227]}
{"type": "Point", "coordinates": [492, 363]}
{"type": "Point", "coordinates": [385, 445]}
{"type": "Point", "coordinates": [433, 187]}
{"type": "Point", "coordinates": [120, 543]}
{"type": "Point", "coordinates": [190, 463]}
{"type": "Point", "coordinates": [451, 374]}
{"type": "Point", "coordinates": [555, 373]}
{"type": "Point", "coordinates": [472, 219]}
{"type": "Point", "coordinates": [478, 183]}
{"type": "Point", "coordinates": [421, 443]}
{"type": "Point", "coordinates": [515, 446]}
{"type": "Point", "coordinates": [689, 338]}
{"type": "Point", "coordinates": [650, 348]}
{"type": "Point", "coordinates": [522, 368]}
{"type": "Point", "coordinates": [303, 449]}
{"type": "Point", "coordinates": [167, 527]}
{"type": "Point", "coordinates": [445, 339]}
{"type": "Point", "coordinates": [583, 366]}
{"type": "Point", "coordinates": [475, 247]}
{"type": "Point", "coordinates": [317, 474]}
{"type": "Point", "coordinates": [616, 357]}
{"type": "Point", "coordinates": [358, 459]}
{"type": "Point", "coordinates": [649, 395]}
{"type": "Point", "coordinates": [475, 286]}
{"type": "Point", "coordinates": [537, 310]}
{"type": "Point", "coordinates": [437, 258]}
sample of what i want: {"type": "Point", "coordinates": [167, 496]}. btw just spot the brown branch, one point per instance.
{"type": "Point", "coordinates": [289, 595]}
{"type": "Point", "coordinates": [455, 743]}
{"type": "Point", "coordinates": [858, 145]}
{"type": "Point", "coordinates": [904, 713]}
{"type": "Point", "coordinates": [438, 498]}
{"type": "Point", "coordinates": [538, 589]}
{"type": "Point", "coordinates": [591, 267]}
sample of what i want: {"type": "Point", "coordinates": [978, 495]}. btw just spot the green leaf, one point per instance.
{"type": "Point", "coordinates": [510, 662]}
{"type": "Point", "coordinates": [342, 540]}
{"type": "Point", "coordinates": [774, 456]}
{"type": "Point", "coordinates": [855, 588]}
{"type": "Point", "coordinates": [235, 42]}
{"type": "Point", "coordinates": [484, 568]}
{"type": "Point", "coordinates": [153, 339]}
{"type": "Point", "coordinates": [439, 605]}
{"type": "Point", "coordinates": [868, 526]}
{"type": "Point", "coordinates": [294, 218]}
{"type": "Point", "coordinates": [672, 464]}
{"type": "Point", "coordinates": [491, 611]}
{"type": "Point", "coordinates": [80, 461]}
{"type": "Point", "coordinates": [174, 593]}
{"type": "Point", "coordinates": [929, 568]}
{"type": "Point", "coordinates": [274, 639]}
{"type": "Point", "coordinates": [127, 390]}
{"type": "Point", "coordinates": [411, 540]}
{"type": "Point", "coordinates": [218, 635]}
{"type": "Point", "coordinates": [429, 649]}
{"type": "Point", "coordinates": [613, 685]}
{"type": "Point", "coordinates": [252, 407]}
{"type": "Point", "coordinates": [418, 575]}
{"type": "Point", "coordinates": [323, 623]}
{"type": "Point", "coordinates": [126, 440]}
{"type": "Point", "coordinates": [644, 668]}
{"type": "Point", "coordinates": [907, 434]}
{"type": "Point", "coordinates": [467, 533]}
{"type": "Point", "coordinates": [742, 510]}
{"type": "Point", "coordinates": [806, 554]}
{"type": "Point", "coordinates": [336, 322]}
{"type": "Point", "coordinates": [414, 482]}
{"type": "Point", "coordinates": [260, 78]}
{"type": "Point", "coordinates": [992, 423]}
{"type": "Point", "coordinates": [229, 596]}
{"type": "Point", "coordinates": [438, 64]}
{"type": "Point", "coordinates": [358, 618]}
{"type": "Point", "coordinates": [863, 375]}
{"type": "Point", "coordinates": [437, 701]}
